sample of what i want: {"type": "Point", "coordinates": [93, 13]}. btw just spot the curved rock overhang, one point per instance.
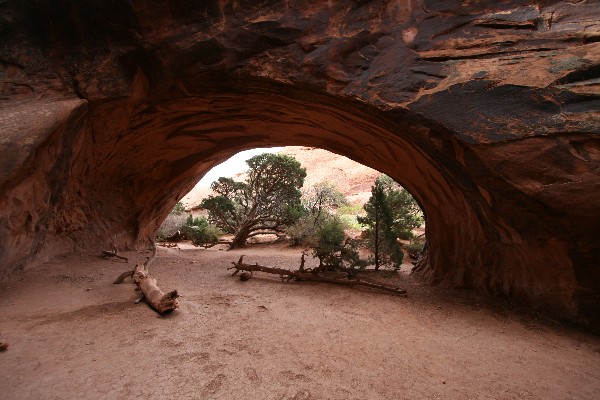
{"type": "Point", "coordinates": [488, 114]}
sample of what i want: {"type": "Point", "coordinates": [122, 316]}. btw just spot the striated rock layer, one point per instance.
{"type": "Point", "coordinates": [488, 112]}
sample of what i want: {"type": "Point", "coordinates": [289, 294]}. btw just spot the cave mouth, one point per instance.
{"type": "Point", "coordinates": [472, 239]}
{"type": "Point", "coordinates": [328, 176]}
{"type": "Point", "coordinates": [266, 122]}
{"type": "Point", "coordinates": [123, 165]}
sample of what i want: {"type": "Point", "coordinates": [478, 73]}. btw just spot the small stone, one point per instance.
{"type": "Point", "coordinates": [444, 381]}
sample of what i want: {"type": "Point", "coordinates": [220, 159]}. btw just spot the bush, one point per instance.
{"type": "Point", "coordinates": [301, 230]}
{"type": "Point", "coordinates": [328, 242]}
{"type": "Point", "coordinates": [326, 239]}
{"type": "Point", "coordinates": [200, 232]}
{"type": "Point", "coordinates": [348, 214]}
{"type": "Point", "coordinates": [170, 226]}
{"type": "Point", "coordinates": [415, 247]}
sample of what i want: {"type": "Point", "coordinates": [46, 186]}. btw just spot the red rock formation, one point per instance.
{"type": "Point", "coordinates": [488, 113]}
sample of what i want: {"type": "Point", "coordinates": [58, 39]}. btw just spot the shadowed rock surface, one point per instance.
{"type": "Point", "coordinates": [488, 113]}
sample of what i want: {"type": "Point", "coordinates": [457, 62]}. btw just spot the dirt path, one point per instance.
{"type": "Point", "coordinates": [73, 334]}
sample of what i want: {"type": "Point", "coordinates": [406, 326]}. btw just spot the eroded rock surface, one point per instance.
{"type": "Point", "coordinates": [489, 113]}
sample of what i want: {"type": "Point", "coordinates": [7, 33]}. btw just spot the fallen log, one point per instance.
{"type": "Point", "coordinates": [151, 293]}
{"type": "Point", "coordinates": [301, 274]}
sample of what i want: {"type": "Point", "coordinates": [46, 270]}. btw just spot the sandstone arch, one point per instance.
{"type": "Point", "coordinates": [111, 112]}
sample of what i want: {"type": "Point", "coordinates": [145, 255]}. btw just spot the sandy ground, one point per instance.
{"type": "Point", "coordinates": [74, 335]}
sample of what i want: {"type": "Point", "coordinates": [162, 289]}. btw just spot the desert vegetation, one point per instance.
{"type": "Point", "coordinates": [319, 219]}
{"type": "Point", "coordinates": [268, 200]}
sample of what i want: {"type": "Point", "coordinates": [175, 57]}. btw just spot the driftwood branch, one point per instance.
{"type": "Point", "coordinates": [169, 245]}
{"type": "Point", "coordinates": [302, 274]}
{"type": "Point", "coordinates": [113, 253]}
{"type": "Point", "coordinates": [150, 292]}
{"type": "Point", "coordinates": [209, 245]}
{"type": "Point", "coordinates": [121, 278]}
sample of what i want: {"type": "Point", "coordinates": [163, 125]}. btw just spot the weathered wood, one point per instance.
{"type": "Point", "coordinates": [151, 293]}
{"type": "Point", "coordinates": [209, 245]}
{"type": "Point", "coordinates": [287, 274]}
{"type": "Point", "coordinates": [113, 253]}
{"type": "Point", "coordinates": [169, 245]}
{"type": "Point", "coordinates": [154, 296]}
{"type": "Point", "coordinates": [121, 278]}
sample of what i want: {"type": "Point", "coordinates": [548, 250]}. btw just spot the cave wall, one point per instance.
{"type": "Point", "coordinates": [487, 111]}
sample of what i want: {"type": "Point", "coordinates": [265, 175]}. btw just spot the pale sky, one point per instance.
{"type": "Point", "coordinates": [234, 165]}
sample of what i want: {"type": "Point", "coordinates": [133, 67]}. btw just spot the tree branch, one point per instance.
{"type": "Point", "coordinates": [301, 274]}
{"type": "Point", "coordinates": [154, 296]}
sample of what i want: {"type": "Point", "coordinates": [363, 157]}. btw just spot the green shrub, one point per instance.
{"type": "Point", "coordinates": [348, 214]}
{"type": "Point", "coordinates": [350, 209]}
{"type": "Point", "coordinates": [329, 241]}
{"type": "Point", "coordinates": [415, 246]}
{"type": "Point", "coordinates": [326, 239]}
{"type": "Point", "coordinates": [302, 231]}
{"type": "Point", "coordinates": [200, 232]}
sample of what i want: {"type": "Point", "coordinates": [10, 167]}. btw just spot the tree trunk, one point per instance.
{"type": "Point", "coordinates": [240, 237]}
{"type": "Point", "coordinates": [377, 235]}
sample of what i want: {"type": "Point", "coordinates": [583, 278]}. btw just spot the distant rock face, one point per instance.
{"type": "Point", "coordinates": [352, 179]}
{"type": "Point", "coordinates": [488, 112]}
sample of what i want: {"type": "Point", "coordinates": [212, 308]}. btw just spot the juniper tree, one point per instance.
{"type": "Point", "coordinates": [267, 202]}
{"type": "Point", "coordinates": [379, 220]}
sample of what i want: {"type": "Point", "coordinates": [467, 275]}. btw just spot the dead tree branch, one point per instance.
{"type": "Point", "coordinates": [154, 296]}
{"type": "Point", "coordinates": [209, 245]}
{"type": "Point", "coordinates": [302, 274]}
{"type": "Point", "coordinates": [121, 278]}
{"type": "Point", "coordinates": [169, 245]}
{"type": "Point", "coordinates": [113, 253]}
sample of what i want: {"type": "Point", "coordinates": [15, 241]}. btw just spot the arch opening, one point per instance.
{"type": "Point", "coordinates": [134, 158]}
{"type": "Point", "coordinates": [335, 188]}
